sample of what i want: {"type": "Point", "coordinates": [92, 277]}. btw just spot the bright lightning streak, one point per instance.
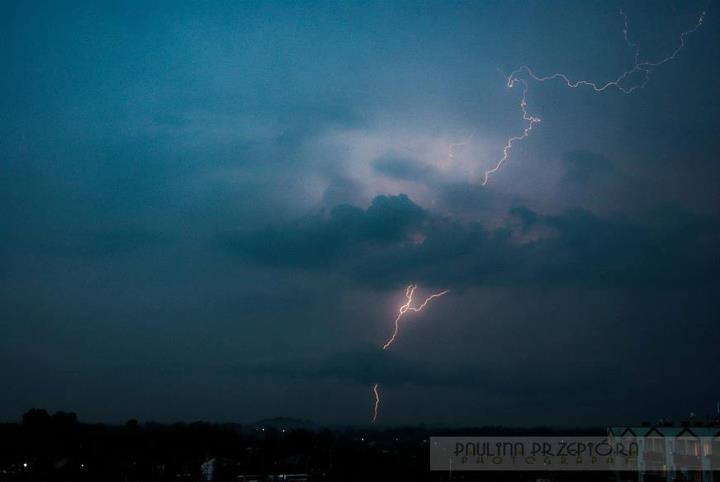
{"type": "Point", "coordinates": [644, 68]}
{"type": "Point", "coordinates": [526, 132]}
{"type": "Point", "coordinates": [409, 291]}
{"type": "Point", "coordinates": [376, 394]}
{"type": "Point", "coordinates": [408, 307]}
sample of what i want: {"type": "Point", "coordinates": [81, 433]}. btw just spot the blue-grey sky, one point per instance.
{"type": "Point", "coordinates": [210, 210]}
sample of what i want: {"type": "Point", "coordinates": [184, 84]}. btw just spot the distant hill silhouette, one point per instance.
{"type": "Point", "coordinates": [286, 423]}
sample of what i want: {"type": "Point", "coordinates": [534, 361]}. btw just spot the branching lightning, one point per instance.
{"type": "Point", "coordinates": [408, 306]}
{"type": "Point", "coordinates": [642, 68]}
{"type": "Point", "coordinates": [532, 120]}
{"type": "Point", "coordinates": [622, 83]}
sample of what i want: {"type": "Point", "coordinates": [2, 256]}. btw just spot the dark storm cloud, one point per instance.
{"type": "Point", "coordinates": [573, 247]}
{"type": "Point", "coordinates": [465, 198]}
{"type": "Point", "coordinates": [532, 384]}
{"type": "Point", "coordinates": [318, 242]}
{"type": "Point", "coordinates": [525, 216]}
{"type": "Point", "coordinates": [133, 137]}
{"type": "Point", "coordinates": [366, 365]}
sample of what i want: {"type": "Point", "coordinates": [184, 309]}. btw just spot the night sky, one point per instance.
{"type": "Point", "coordinates": [211, 210]}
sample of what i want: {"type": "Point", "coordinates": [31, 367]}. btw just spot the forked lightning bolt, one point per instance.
{"type": "Point", "coordinates": [621, 83]}
{"type": "Point", "coordinates": [642, 68]}
{"type": "Point", "coordinates": [408, 306]}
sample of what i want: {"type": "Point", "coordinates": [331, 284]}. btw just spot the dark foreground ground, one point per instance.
{"type": "Point", "coordinates": [57, 447]}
